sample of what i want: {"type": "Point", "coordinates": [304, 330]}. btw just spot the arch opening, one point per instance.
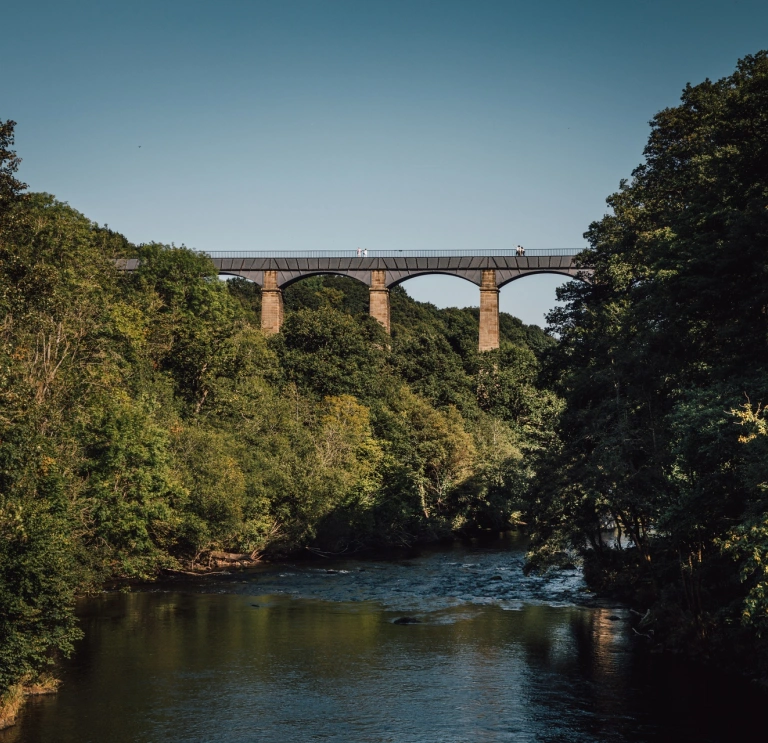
{"type": "Point", "coordinates": [311, 274]}
{"type": "Point", "coordinates": [326, 289]}
{"type": "Point", "coordinates": [531, 300]}
{"type": "Point", "coordinates": [425, 274]}
{"type": "Point", "coordinates": [539, 271]}
{"type": "Point", "coordinates": [227, 275]}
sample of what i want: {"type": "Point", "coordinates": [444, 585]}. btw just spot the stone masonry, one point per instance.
{"type": "Point", "coordinates": [271, 304]}
{"type": "Point", "coordinates": [489, 311]}
{"type": "Point", "coordinates": [379, 298]}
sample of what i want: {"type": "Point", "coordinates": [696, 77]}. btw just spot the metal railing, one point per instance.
{"type": "Point", "coordinates": [487, 253]}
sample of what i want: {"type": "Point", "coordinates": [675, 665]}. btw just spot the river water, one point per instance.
{"type": "Point", "coordinates": [314, 652]}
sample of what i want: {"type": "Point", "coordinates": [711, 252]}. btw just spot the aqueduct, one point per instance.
{"type": "Point", "coordinates": [381, 270]}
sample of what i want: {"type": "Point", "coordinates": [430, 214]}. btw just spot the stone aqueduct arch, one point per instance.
{"type": "Point", "coordinates": [489, 271]}
{"type": "Point", "coordinates": [380, 274]}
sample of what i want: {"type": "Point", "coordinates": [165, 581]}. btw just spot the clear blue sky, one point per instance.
{"type": "Point", "coordinates": [312, 124]}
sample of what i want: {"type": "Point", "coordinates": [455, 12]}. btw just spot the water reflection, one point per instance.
{"type": "Point", "coordinates": [239, 666]}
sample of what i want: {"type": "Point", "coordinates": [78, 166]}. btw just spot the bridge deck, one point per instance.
{"type": "Point", "coordinates": [496, 252]}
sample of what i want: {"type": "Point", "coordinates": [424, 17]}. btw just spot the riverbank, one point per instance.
{"type": "Point", "coordinates": [670, 622]}
{"type": "Point", "coordinates": [12, 701]}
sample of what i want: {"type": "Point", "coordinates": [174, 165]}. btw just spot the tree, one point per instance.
{"type": "Point", "coordinates": [10, 186]}
{"type": "Point", "coordinates": [668, 336]}
{"type": "Point", "coordinates": [329, 353]}
{"type": "Point", "coordinates": [193, 317]}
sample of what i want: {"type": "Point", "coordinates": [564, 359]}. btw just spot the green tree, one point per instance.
{"type": "Point", "coordinates": [11, 187]}
{"type": "Point", "coordinates": [329, 353]}
{"type": "Point", "coordinates": [192, 314]}
{"type": "Point", "coordinates": [670, 334]}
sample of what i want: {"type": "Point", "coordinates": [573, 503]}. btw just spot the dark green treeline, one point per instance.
{"type": "Point", "coordinates": [145, 421]}
{"type": "Point", "coordinates": [663, 363]}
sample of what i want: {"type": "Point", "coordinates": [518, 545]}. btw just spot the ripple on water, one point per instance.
{"type": "Point", "coordinates": [431, 582]}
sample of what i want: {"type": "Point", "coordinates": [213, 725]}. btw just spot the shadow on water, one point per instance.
{"type": "Point", "coordinates": [308, 652]}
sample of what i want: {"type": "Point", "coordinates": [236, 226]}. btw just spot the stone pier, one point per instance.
{"type": "Point", "coordinates": [379, 298]}
{"type": "Point", "coordinates": [489, 311]}
{"type": "Point", "coordinates": [271, 304]}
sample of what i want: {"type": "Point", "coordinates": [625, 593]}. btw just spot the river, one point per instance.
{"type": "Point", "coordinates": [314, 652]}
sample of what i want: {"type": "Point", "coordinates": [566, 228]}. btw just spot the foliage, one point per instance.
{"type": "Point", "coordinates": [656, 355]}
{"type": "Point", "coordinates": [329, 353]}
{"type": "Point", "coordinates": [38, 578]}
{"type": "Point", "coordinates": [11, 188]}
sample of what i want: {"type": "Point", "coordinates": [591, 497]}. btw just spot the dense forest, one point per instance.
{"type": "Point", "coordinates": [147, 424]}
